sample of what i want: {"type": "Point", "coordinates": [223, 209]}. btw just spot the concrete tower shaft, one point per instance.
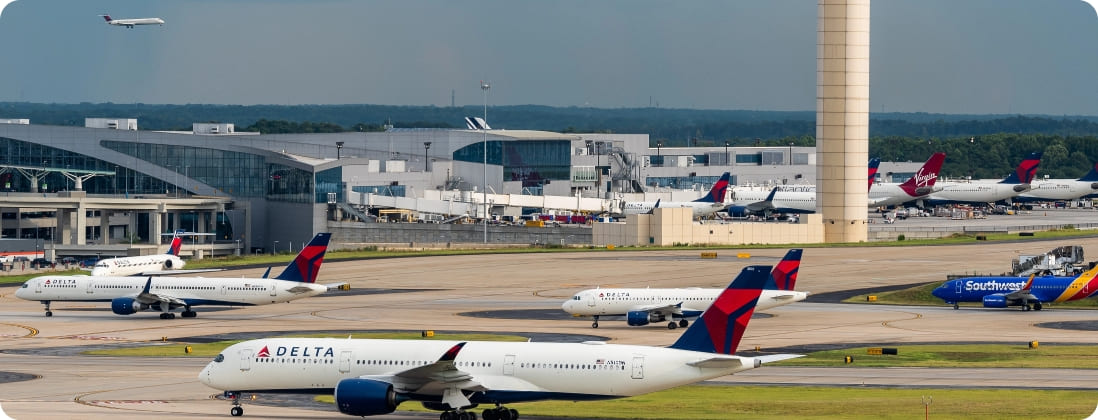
{"type": "Point", "coordinates": [842, 118]}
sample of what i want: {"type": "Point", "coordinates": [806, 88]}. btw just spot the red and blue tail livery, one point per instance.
{"type": "Point", "coordinates": [721, 327]}
{"type": "Point", "coordinates": [177, 243]}
{"type": "Point", "coordinates": [306, 266]}
{"type": "Point", "coordinates": [873, 165]}
{"type": "Point", "coordinates": [1025, 171]}
{"type": "Point", "coordinates": [719, 191]}
{"type": "Point", "coordinates": [784, 275]}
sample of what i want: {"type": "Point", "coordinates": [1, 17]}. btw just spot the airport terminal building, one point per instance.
{"type": "Point", "coordinates": [269, 192]}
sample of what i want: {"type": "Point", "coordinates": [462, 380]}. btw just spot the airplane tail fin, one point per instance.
{"type": "Point", "coordinates": [721, 327]}
{"type": "Point", "coordinates": [1091, 176]}
{"type": "Point", "coordinates": [177, 243]}
{"type": "Point", "coordinates": [305, 267]}
{"type": "Point", "coordinates": [1025, 171]}
{"type": "Point", "coordinates": [106, 17]}
{"type": "Point", "coordinates": [873, 164]}
{"type": "Point", "coordinates": [923, 181]}
{"type": "Point", "coordinates": [784, 275]}
{"type": "Point", "coordinates": [719, 192]}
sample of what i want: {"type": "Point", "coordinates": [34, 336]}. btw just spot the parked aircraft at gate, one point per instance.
{"type": "Point", "coordinates": [371, 377]}
{"type": "Point", "coordinates": [641, 306]}
{"type": "Point", "coordinates": [1062, 189]}
{"type": "Point", "coordinates": [129, 295]}
{"type": "Point", "coordinates": [747, 201]}
{"type": "Point", "coordinates": [711, 203]}
{"type": "Point", "coordinates": [914, 189]}
{"type": "Point", "coordinates": [979, 193]}
{"type": "Point", "coordinates": [1004, 291]}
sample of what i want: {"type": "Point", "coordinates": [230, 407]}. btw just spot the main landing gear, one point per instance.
{"type": "Point", "coordinates": [593, 324]}
{"type": "Point", "coordinates": [48, 311]}
{"type": "Point", "coordinates": [501, 413]}
{"type": "Point", "coordinates": [682, 323]}
{"type": "Point", "coordinates": [1036, 306]}
{"type": "Point", "coordinates": [458, 415]}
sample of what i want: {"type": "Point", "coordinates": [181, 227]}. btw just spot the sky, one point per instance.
{"type": "Point", "coordinates": [936, 56]}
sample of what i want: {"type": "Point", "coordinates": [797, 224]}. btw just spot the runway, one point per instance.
{"type": "Point", "coordinates": [436, 292]}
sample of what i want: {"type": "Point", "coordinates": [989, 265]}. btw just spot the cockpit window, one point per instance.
{"type": "Point", "coordinates": [576, 297]}
{"type": "Point", "coordinates": [220, 358]}
{"type": "Point", "coordinates": [26, 285]}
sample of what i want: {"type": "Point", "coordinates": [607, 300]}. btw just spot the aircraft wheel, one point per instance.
{"type": "Point", "coordinates": [595, 324]}
{"type": "Point", "coordinates": [1025, 307]}
{"type": "Point", "coordinates": [489, 414]}
{"type": "Point", "coordinates": [236, 411]}
{"type": "Point", "coordinates": [956, 306]}
{"type": "Point", "coordinates": [1037, 306]}
{"type": "Point", "coordinates": [514, 413]}
{"type": "Point", "coordinates": [49, 313]}
{"type": "Point", "coordinates": [684, 323]}
{"type": "Point", "coordinates": [189, 314]}
{"type": "Point", "coordinates": [672, 325]}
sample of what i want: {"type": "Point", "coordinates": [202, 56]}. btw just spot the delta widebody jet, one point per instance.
{"type": "Point", "coordinates": [130, 23]}
{"type": "Point", "coordinates": [1004, 291]}
{"type": "Point", "coordinates": [711, 203]}
{"type": "Point", "coordinates": [372, 377]}
{"type": "Point", "coordinates": [980, 193]}
{"type": "Point", "coordinates": [129, 295]}
{"type": "Point", "coordinates": [1062, 189]}
{"type": "Point", "coordinates": [914, 189]}
{"type": "Point", "coordinates": [642, 306]}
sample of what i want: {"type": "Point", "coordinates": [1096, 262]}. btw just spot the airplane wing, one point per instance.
{"type": "Point", "coordinates": [661, 308]}
{"type": "Point", "coordinates": [149, 298]}
{"type": "Point", "coordinates": [439, 378]}
{"type": "Point", "coordinates": [1024, 292]}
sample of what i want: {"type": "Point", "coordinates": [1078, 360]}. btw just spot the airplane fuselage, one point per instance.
{"type": "Point", "coordinates": [1048, 289]}
{"type": "Point", "coordinates": [193, 290]}
{"type": "Point", "coordinates": [130, 23]}
{"type": "Point", "coordinates": [1058, 189]}
{"type": "Point", "coordinates": [699, 208]}
{"type": "Point", "coordinates": [693, 300]}
{"type": "Point", "coordinates": [129, 266]}
{"type": "Point", "coordinates": [793, 199]}
{"type": "Point", "coordinates": [891, 194]}
{"type": "Point", "coordinates": [975, 192]}
{"type": "Point", "coordinates": [509, 371]}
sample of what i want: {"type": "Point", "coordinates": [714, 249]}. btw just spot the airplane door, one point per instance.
{"type": "Point", "coordinates": [91, 286]}
{"type": "Point", "coordinates": [638, 367]}
{"type": "Point", "coordinates": [246, 359]}
{"type": "Point", "coordinates": [344, 360]}
{"type": "Point", "coordinates": [38, 286]}
{"type": "Point", "coordinates": [959, 287]}
{"type": "Point", "coordinates": [273, 291]}
{"type": "Point", "coordinates": [591, 300]}
{"type": "Point", "coordinates": [223, 289]}
{"type": "Point", "coordinates": [509, 364]}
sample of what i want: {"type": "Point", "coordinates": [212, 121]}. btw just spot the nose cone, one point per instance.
{"type": "Point", "coordinates": [567, 306]}
{"type": "Point", "coordinates": [204, 375]}
{"type": "Point", "coordinates": [22, 292]}
{"type": "Point", "coordinates": [943, 291]}
{"type": "Point", "coordinates": [99, 271]}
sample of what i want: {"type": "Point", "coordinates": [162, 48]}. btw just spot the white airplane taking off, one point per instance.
{"type": "Point", "coordinates": [711, 203]}
{"type": "Point", "coordinates": [640, 306]}
{"type": "Point", "coordinates": [371, 377]}
{"type": "Point", "coordinates": [128, 295]}
{"type": "Point", "coordinates": [130, 23]}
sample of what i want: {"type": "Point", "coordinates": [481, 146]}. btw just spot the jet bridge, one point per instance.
{"type": "Point", "coordinates": [1060, 261]}
{"type": "Point", "coordinates": [36, 173]}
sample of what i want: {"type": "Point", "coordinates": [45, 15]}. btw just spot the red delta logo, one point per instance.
{"type": "Point", "coordinates": [47, 281]}
{"type": "Point", "coordinates": [264, 352]}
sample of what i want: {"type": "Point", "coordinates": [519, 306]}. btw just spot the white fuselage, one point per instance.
{"type": "Point", "coordinates": [891, 194]}
{"type": "Point", "coordinates": [622, 301]}
{"type": "Point", "coordinates": [1059, 189]}
{"type": "Point", "coordinates": [128, 266]}
{"type": "Point", "coordinates": [802, 199]}
{"type": "Point", "coordinates": [699, 208]}
{"type": "Point", "coordinates": [134, 22]}
{"type": "Point", "coordinates": [539, 370]}
{"type": "Point", "coordinates": [230, 291]}
{"type": "Point", "coordinates": [977, 191]}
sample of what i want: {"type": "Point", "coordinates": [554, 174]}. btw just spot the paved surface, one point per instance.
{"type": "Point", "coordinates": [67, 386]}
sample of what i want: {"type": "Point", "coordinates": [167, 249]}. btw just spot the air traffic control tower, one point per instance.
{"type": "Point", "coordinates": [842, 118]}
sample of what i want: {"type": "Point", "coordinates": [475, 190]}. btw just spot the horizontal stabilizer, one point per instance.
{"type": "Point", "coordinates": [717, 362]}
{"type": "Point", "coordinates": [771, 358]}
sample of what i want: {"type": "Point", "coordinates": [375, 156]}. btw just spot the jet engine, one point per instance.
{"type": "Point", "coordinates": [365, 397]}
{"type": "Point", "coordinates": [995, 301]}
{"type": "Point", "coordinates": [639, 318]}
{"type": "Point", "coordinates": [168, 263]}
{"type": "Point", "coordinates": [127, 306]}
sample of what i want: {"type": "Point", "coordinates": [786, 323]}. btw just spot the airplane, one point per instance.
{"type": "Point", "coordinates": [874, 163]}
{"type": "Point", "coordinates": [918, 186]}
{"type": "Point", "coordinates": [1005, 291]}
{"type": "Point", "coordinates": [642, 306]}
{"type": "Point", "coordinates": [129, 295]}
{"type": "Point", "coordinates": [782, 199]}
{"type": "Point", "coordinates": [1062, 189]}
{"type": "Point", "coordinates": [981, 193]}
{"type": "Point", "coordinates": [373, 376]}
{"type": "Point", "coordinates": [130, 23]}
{"type": "Point", "coordinates": [147, 265]}
{"type": "Point", "coordinates": [711, 203]}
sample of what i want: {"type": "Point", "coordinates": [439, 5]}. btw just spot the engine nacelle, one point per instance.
{"type": "Point", "coordinates": [168, 264]}
{"type": "Point", "coordinates": [127, 306]}
{"type": "Point", "coordinates": [365, 397]}
{"type": "Point", "coordinates": [995, 301]}
{"type": "Point", "coordinates": [640, 318]}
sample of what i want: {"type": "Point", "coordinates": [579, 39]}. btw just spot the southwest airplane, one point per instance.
{"type": "Point", "coordinates": [918, 186]}
{"type": "Point", "coordinates": [129, 295]}
{"type": "Point", "coordinates": [1062, 189]}
{"type": "Point", "coordinates": [371, 377]}
{"type": "Point", "coordinates": [980, 193]}
{"type": "Point", "coordinates": [130, 23]}
{"type": "Point", "coordinates": [711, 203]}
{"type": "Point", "coordinates": [641, 306]}
{"type": "Point", "coordinates": [1002, 291]}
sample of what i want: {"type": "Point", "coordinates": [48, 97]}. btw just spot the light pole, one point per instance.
{"type": "Point", "coordinates": [426, 164]}
{"type": "Point", "coordinates": [274, 250]}
{"type": "Point", "coordinates": [484, 86]}
{"type": "Point", "coordinates": [339, 149]}
{"type": "Point", "coordinates": [726, 143]}
{"type": "Point", "coordinates": [790, 153]}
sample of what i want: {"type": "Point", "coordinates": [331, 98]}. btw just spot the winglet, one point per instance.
{"type": "Point", "coordinates": [305, 267]}
{"type": "Point", "coordinates": [148, 286]}
{"type": "Point", "coordinates": [770, 197]}
{"type": "Point", "coordinates": [721, 327]}
{"type": "Point", "coordinates": [1025, 171]}
{"type": "Point", "coordinates": [719, 192]}
{"type": "Point", "coordinates": [267, 273]}
{"type": "Point", "coordinates": [784, 275]}
{"type": "Point", "coordinates": [1029, 283]}
{"type": "Point", "coordinates": [452, 354]}
{"type": "Point", "coordinates": [654, 207]}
